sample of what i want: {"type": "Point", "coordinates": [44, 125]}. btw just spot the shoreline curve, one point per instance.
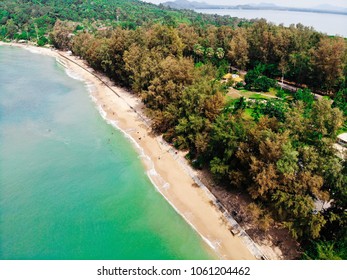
{"type": "Point", "coordinates": [168, 171]}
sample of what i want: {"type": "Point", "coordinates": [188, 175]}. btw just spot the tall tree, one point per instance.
{"type": "Point", "coordinates": [189, 38]}
{"type": "Point", "coordinates": [328, 61]}
{"type": "Point", "coordinates": [238, 49]}
{"type": "Point", "coordinates": [282, 49]}
{"type": "Point", "coordinates": [62, 34]}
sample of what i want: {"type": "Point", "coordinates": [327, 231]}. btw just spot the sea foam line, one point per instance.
{"type": "Point", "coordinates": [150, 172]}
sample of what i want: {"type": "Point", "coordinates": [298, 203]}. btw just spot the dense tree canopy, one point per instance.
{"type": "Point", "coordinates": [281, 155]}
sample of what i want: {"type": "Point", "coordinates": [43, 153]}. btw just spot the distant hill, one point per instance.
{"type": "Point", "coordinates": [328, 7]}
{"type": "Point", "coordinates": [185, 4]}
{"type": "Point", "coordinates": [264, 5]}
{"type": "Point", "coordinates": [34, 19]}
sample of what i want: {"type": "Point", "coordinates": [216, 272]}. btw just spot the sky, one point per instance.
{"type": "Point", "coordinates": [287, 3]}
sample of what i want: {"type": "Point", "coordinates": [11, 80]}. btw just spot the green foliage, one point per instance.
{"type": "Point", "coordinates": [304, 95]}
{"type": "Point", "coordinates": [255, 80]}
{"type": "Point", "coordinates": [287, 164]}
{"type": "Point", "coordinates": [283, 158]}
{"type": "Point", "coordinates": [263, 83]}
{"type": "Point", "coordinates": [340, 101]}
{"type": "Point", "coordinates": [239, 85]}
{"type": "Point", "coordinates": [253, 74]}
{"type": "Point", "coordinates": [209, 52]}
{"type": "Point", "coordinates": [240, 104]}
{"type": "Point", "coordinates": [222, 69]}
{"type": "Point", "coordinates": [42, 41]}
{"type": "Point", "coordinates": [41, 15]}
{"type": "Point", "coordinates": [326, 250]}
{"type": "Point", "coordinates": [199, 50]}
{"type": "Point", "coordinates": [276, 108]}
{"type": "Point", "coordinates": [281, 94]}
{"type": "Point", "coordinates": [256, 112]}
{"type": "Point", "coordinates": [286, 173]}
{"type": "Point", "coordinates": [220, 53]}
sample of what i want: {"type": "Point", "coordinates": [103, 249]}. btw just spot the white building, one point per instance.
{"type": "Point", "coordinates": [342, 139]}
{"type": "Point", "coordinates": [341, 146]}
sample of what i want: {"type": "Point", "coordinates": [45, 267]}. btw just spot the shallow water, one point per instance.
{"type": "Point", "coordinates": [71, 186]}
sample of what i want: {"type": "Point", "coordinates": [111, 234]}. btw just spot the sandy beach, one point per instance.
{"type": "Point", "coordinates": [165, 166]}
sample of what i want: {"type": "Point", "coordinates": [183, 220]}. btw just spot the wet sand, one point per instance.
{"type": "Point", "coordinates": [165, 166]}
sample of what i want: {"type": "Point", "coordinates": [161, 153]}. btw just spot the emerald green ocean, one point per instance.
{"type": "Point", "coordinates": [71, 185]}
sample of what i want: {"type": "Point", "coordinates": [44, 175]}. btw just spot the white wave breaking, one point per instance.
{"type": "Point", "coordinates": [151, 172]}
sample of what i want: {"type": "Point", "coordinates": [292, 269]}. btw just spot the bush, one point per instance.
{"type": "Point", "coordinates": [281, 94]}
{"type": "Point", "coordinates": [304, 95]}
{"type": "Point", "coordinates": [263, 83]}
{"type": "Point", "coordinates": [258, 82]}
{"type": "Point", "coordinates": [239, 85]}
{"type": "Point", "coordinates": [42, 41]}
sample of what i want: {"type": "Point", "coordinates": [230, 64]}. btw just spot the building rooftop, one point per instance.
{"type": "Point", "coordinates": [343, 137]}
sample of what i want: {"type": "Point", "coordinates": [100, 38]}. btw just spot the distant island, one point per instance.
{"type": "Point", "coordinates": [185, 4]}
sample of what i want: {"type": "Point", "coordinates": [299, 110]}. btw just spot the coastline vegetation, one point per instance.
{"type": "Point", "coordinates": [278, 150]}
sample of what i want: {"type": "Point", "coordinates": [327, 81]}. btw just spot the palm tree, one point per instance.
{"type": "Point", "coordinates": [209, 52]}
{"type": "Point", "coordinates": [220, 53]}
{"type": "Point", "coordinates": [199, 50]}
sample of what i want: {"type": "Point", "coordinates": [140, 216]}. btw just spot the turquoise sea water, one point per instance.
{"type": "Point", "coordinates": [71, 186]}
